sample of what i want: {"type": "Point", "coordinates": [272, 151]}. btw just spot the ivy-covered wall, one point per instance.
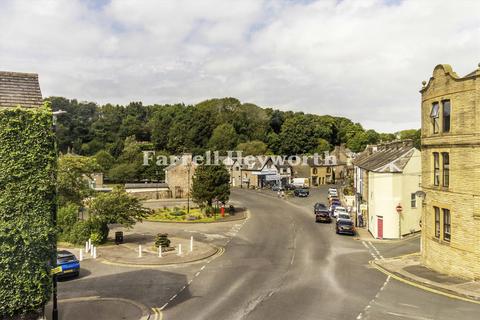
{"type": "Point", "coordinates": [27, 200]}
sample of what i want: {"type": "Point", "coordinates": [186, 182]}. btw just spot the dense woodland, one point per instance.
{"type": "Point", "coordinates": [115, 135]}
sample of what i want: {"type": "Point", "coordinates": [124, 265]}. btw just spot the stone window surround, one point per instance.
{"type": "Point", "coordinates": [441, 206]}
{"type": "Point", "coordinates": [440, 102]}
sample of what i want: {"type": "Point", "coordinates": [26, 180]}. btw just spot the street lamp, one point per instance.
{"type": "Point", "coordinates": [55, 209]}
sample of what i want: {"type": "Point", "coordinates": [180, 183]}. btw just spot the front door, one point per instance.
{"type": "Point", "coordinates": [380, 227]}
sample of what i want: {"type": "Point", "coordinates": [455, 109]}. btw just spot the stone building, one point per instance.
{"type": "Point", "coordinates": [451, 172]}
{"type": "Point", "coordinates": [178, 176]}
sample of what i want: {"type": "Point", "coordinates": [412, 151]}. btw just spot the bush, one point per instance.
{"type": "Point", "coordinates": [67, 216]}
{"type": "Point", "coordinates": [162, 240]}
{"type": "Point", "coordinates": [79, 233]}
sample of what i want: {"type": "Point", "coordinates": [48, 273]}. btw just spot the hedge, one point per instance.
{"type": "Point", "coordinates": [27, 200]}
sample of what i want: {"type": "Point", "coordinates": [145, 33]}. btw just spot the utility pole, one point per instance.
{"type": "Point", "coordinates": [55, 209]}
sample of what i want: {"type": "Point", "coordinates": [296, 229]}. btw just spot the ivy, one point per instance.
{"type": "Point", "coordinates": [27, 200]}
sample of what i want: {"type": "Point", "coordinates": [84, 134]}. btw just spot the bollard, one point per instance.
{"type": "Point", "coordinates": [191, 243]}
{"type": "Point", "coordinates": [90, 244]}
{"type": "Point", "coordinates": [160, 251]}
{"type": "Point", "coordinates": [81, 255]}
{"type": "Point", "coordinates": [179, 249]}
{"type": "Point", "coordinates": [139, 250]}
{"type": "Point", "coordinates": [86, 246]}
{"type": "Point", "coordinates": [94, 249]}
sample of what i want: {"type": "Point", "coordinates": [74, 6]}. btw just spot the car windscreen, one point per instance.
{"type": "Point", "coordinates": [345, 222]}
{"type": "Point", "coordinates": [65, 259]}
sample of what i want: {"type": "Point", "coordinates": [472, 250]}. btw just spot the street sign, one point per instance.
{"type": "Point", "coordinates": [56, 270]}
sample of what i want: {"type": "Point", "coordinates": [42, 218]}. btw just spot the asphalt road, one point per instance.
{"type": "Point", "coordinates": [279, 264]}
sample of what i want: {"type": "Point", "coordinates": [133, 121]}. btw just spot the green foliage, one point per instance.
{"type": "Point", "coordinates": [72, 180]}
{"type": "Point", "coordinates": [117, 207]}
{"type": "Point", "coordinates": [224, 138]}
{"type": "Point", "coordinates": [254, 148]}
{"type": "Point", "coordinates": [27, 201]}
{"type": "Point", "coordinates": [67, 216]}
{"type": "Point", "coordinates": [210, 182]}
{"type": "Point", "coordinates": [105, 160]}
{"type": "Point", "coordinates": [161, 239]}
{"type": "Point", "coordinates": [79, 233]}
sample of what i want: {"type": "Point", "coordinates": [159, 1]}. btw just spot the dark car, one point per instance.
{"type": "Point", "coordinates": [290, 186]}
{"type": "Point", "coordinates": [345, 226]}
{"type": "Point", "coordinates": [322, 216]}
{"type": "Point", "coordinates": [69, 263]}
{"type": "Point", "coordinates": [301, 193]}
{"type": "Point", "coordinates": [319, 206]}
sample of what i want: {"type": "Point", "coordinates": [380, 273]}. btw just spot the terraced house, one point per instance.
{"type": "Point", "coordinates": [451, 172]}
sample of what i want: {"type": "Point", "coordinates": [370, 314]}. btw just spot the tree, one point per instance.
{"type": "Point", "coordinates": [322, 146]}
{"type": "Point", "coordinates": [224, 138]}
{"type": "Point", "coordinates": [116, 207]}
{"type": "Point", "coordinates": [72, 178]}
{"type": "Point", "coordinates": [105, 160]}
{"type": "Point", "coordinates": [209, 183]}
{"type": "Point", "coordinates": [254, 148]}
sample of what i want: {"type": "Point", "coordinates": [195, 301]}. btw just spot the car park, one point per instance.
{"type": "Point", "coordinates": [301, 193]}
{"type": "Point", "coordinates": [344, 226]}
{"type": "Point", "coordinates": [322, 216]}
{"type": "Point", "coordinates": [69, 263]}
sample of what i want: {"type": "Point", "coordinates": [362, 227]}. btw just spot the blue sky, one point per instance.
{"type": "Point", "coordinates": [363, 59]}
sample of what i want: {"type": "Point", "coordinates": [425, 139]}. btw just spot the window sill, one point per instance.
{"type": "Point", "coordinates": [442, 242]}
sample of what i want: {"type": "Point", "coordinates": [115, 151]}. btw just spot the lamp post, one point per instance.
{"type": "Point", "coordinates": [55, 209]}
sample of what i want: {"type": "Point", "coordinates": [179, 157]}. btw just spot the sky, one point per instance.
{"type": "Point", "coordinates": [362, 59]}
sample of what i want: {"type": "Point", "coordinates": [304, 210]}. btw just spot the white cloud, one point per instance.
{"type": "Point", "coordinates": [360, 59]}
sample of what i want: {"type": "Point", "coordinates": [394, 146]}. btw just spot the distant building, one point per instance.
{"type": "Point", "coordinates": [178, 176]}
{"type": "Point", "coordinates": [393, 175]}
{"type": "Point", "coordinates": [19, 89]}
{"type": "Point", "coordinates": [451, 172]}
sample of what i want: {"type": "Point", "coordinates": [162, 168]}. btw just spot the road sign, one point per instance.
{"type": "Point", "coordinates": [56, 270]}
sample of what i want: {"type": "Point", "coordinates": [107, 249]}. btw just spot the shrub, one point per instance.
{"type": "Point", "coordinates": [67, 216]}
{"type": "Point", "coordinates": [162, 240]}
{"type": "Point", "coordinates": [79, 233]}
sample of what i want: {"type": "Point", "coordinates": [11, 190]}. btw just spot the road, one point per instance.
{"type": "Point", "coordinates": [279, 264]}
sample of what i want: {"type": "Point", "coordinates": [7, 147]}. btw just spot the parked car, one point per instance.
{"type": "Point", "coordinates": [319, 206]}
{"type": "Point", "coordinates": [323, 216]}
{"type": "Point", "coordinates": [278, 188]}
{"type": "Point", "coordinates": [339, 210]}
{"type": "Point", "coordinates": [344, 226]}
{"type": "Point", "coordinates": [290, 186]}
{"type": "Point", "coordinates": [69, 263]}
{"type": "Point", "coordinates": [301, 193]}
{"type": "Point", "coordinates": [332, 192]}
{"type": "Point", "coordinates": [333, 199]}
{"type": "Point", "coordinates": [342, 215]}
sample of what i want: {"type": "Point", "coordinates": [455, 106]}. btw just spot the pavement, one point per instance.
{"type": "Point", "coordinates": [408, 268]}
{"type": "Point", "coordinates": [278, 264]}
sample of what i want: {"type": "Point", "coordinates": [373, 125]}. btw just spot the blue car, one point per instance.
{"type": "Point", "coordinates": [69, 263]}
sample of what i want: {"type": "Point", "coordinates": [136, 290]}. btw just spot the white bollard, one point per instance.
{"type": "Point", "coordinates": [191, 243]}
{"type": "Point", "coordinates": [92, 247]}
{"type": "Point", "coordinates": [179, 249]}
{"type": "Point", "coordinates": [94, 252]}
{"type": "Point", "coordinates": [139, 250]}
{"type": "Point", "coordinates": [86, 247]}
{"type": "Point", "coordinates": [90, 244]}
{"type": "Point", "coordinates": [160, 251]}
{"type": "Point", "coordinates": [81, 255]}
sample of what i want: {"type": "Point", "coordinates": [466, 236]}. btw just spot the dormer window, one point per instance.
{"type": "Point", "coordinates": [434, 114]}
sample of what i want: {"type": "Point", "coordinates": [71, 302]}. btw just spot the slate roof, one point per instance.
{"type": "Point", "coordinates": [19, 89]}
{"type": "Point", "coordinates": [391, 157]}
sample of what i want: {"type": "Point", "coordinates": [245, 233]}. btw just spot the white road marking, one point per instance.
{"type": "Point", "coordinates": [403, 315]}
{"type": "Point", "coordinates": [369, 305]}
{"type": "Point", "coordinates": [164, 306]}
{"type": "Point", "coordinates": [172, 298]}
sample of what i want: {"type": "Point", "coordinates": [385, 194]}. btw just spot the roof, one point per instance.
{"type": "Point", "coordinates": [19, 89]}
{"type": "Point", "coordinates": [390, 157]}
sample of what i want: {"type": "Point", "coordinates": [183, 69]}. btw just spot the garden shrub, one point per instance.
{"type": "Point", "coordinates": [27, 203]}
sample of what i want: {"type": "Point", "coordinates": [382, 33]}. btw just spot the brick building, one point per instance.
{"type": "Point", "coordinates": [451, 172]}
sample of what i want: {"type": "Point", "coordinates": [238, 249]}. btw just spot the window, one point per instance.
{"type": "Point", "coordinates": [437, 222]}
{"type": "Point", "coordinates": [434, 114]}
{"type": "Point", "coordinates": [315, 171]}
{"type": "Point", "coordinates": [446, 169]}
{"type": "Point", "coordinates": [446, 115]}
{"type": "Point", "coordinates": [413, 200]}
{"type": "Point", "coordinates": [329, 169]}
{"type": "Point", "coordinates": [446, 225]}
{"type": "Point", "coordinates": [436, 169]}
